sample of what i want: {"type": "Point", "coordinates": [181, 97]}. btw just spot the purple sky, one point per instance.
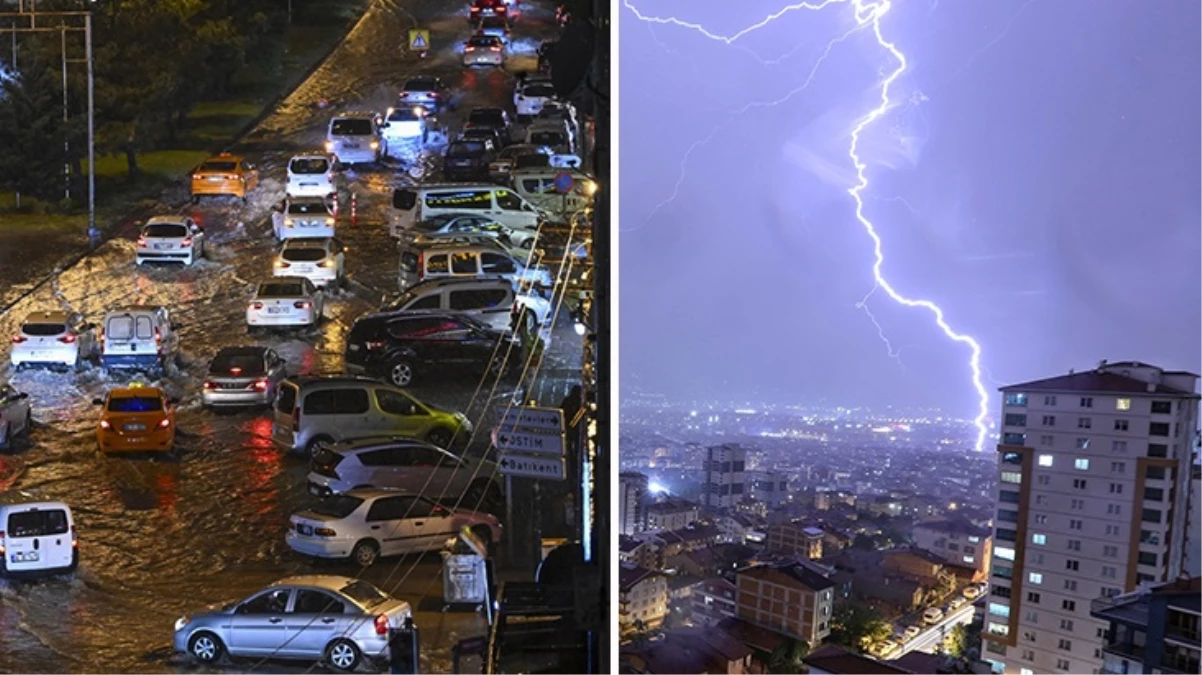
{"type": "Point", "coordinates": [1039, 180]}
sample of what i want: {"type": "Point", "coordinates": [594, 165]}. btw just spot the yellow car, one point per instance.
{"type": "Point", "coordinates": [224, 174]}
{"type": "Point", "coordinates": [136, 419]}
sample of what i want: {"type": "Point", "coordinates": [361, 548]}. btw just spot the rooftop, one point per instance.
{"type": "Point", "coordinates": [955, 527]}
{"type": "Point", "coordinates": [688, 651]}
{"type": "Point", "coordinates": [1101, 382]}
{"type": "Point", "coordinates": [631, 575]}
{"type": "Point", "coordinates": [835, 659]}
{"type": "Point", "coordinates": [803, 575]}
{"type": "Point", "coordinates": [628, 544]}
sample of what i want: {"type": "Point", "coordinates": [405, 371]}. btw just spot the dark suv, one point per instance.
{"type": "Point", "coordinates": [467, 160]}
{"type": "Point", "coordinates": [404, 346]}
{"type": "Point", "coordinates": [491, 118]}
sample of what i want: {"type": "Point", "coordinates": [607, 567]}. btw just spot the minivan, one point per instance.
{"type": "Point", "coordinates": [37, 538]}
{"type": "Point", "coordinates": [430, 260]}
{"type": "Point", "coordinates": [537, 186]}
{"type": "Point", "coordinates": [139, 338]}
{"type": "Point", "coordinates": [312, 411]}
{"type": "Point", "coordinates": [493, 301]}
{"type": "Point", "coordinates": [356, 138]}
{"type": "Point", "coordinates": [501, 204]}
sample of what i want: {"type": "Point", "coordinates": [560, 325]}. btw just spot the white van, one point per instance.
{"type": "Point", "coordinates": [37, 538]}
{"type": "Point", "coordinates": [139, 338]}
{"type": "Point", "coordinates": [501, 204]}
{"type": "Point", "coordinates": [537, 186]}
{"type": "Point", "coordinates": [356, 138]}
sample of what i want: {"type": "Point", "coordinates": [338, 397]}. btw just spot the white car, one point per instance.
{"type": "Point", "coordinates": [972, 592]}
{"type": "Point", "coordinates": [503, 165]}
{"type": "Point", "coordinates": [53, 338]}
{"type": "Point", "coordinates": [16, 420]}
{"type": "Point", "coordinates": [483, 50]}
{"type": "Point", "coordinates": [403, 464]}
{"type": "Point", "coordinates": [355, 138]}
{"type": "Point", "coordinates": [911, 632]}
{"type": "Point", "coordinates": [956, 603]}
{"type": "Point", "coordinates": [304, 217]}
{"type": "Point", "coordinates": [405, 124]}
{"type": "Point", "coordinates": [531, 95]}
{"type": "Point", "coordinates": [426, 91]}
{"type": "Point", "coordinates": [170, 239]}
{"type": "Point", "coordinates": [284, 301]}
{"type": "Point", "coordinates": [314, 175]}
{"type": "Point", "coordinates": [456, 224]}
{"type": "Point", "coordinates": [932, 615]}
{"type": "Point", "coordinates": [320, 260]}
{"type": "Point", "coordinates": [368, 523]}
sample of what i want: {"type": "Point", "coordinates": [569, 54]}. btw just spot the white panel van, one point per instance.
{"type": "Point", "coordinates": [501, 204]}
{"type": "Point", "coordinates": [37, 538]}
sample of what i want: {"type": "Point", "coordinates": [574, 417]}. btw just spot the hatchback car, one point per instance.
{"type": "Point", "coordinates": [135, 419]}
{"type": "Point", "coordinates": [170, 239]}
{"type": "Point", "coordinates": [355, 138]}
{"type": "Point", "coordinates": [490, 136]}
{"type": "Point", "coordinates": [320, 260]}
{"type": "Point", "coordinates": [16, 417]}
{"type": "Point", "coordinates": [53, 339]}
{"type": "Point", "coordinates": [503, 165]}
{"type": "Point", "coordinates": [531, 95]}
{"type": "Point", "coordinates": [224, 174]}
{"type": "Point", "coordinates": [483, 50]}
{"type": "Point", "coordinates": [404, 124]}
{"type": "Point", "coordinates": [403, 464]}
{"type": "Point", "coordinates": [368, 523]}
{"type": "Point", "coordinates": [243, 376]}
{"type": "Point", "coordinates": [284, 301]}
{"type": "Point", "coordinates": [314, 175]}
{"type": "Point", "coordinates": [427, 91]}
{"type": "Point", "coordinates": [315, 411]}
{"type": "Point", "coordinates": [304, 217]}
{"type": "Point", "coordinates": [335, 619]}
{"type": "Point", "coordinates": [932, 615]}
{"type": "Point", "coordinates": [911, 632]}
{"type": "Point", "coordinates": [467, 160]}
{"type": "Point", "coordinates": [492, 118]}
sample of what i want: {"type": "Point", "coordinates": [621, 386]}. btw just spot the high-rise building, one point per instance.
{"type": "Point", "coordinates": [632, 490]}
{"type": "Point", "coordinates": [1153, 630]}
{"type": "Point", "coordinates": [768, 487]}
{"type": "Point", "coordinates": [724, 481]}
{"type": "Point", "coordinates": [1094, 471]}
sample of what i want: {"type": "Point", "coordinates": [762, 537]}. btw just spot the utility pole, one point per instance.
{"type": "Point", "coordinates": [66, 138]}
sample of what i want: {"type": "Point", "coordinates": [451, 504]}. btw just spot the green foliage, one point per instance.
{"type": "Point", "coordinates": [32, 130]}
{"type": "Point", "coordinates": [857, 626]}
{"type": "Point", "coordinates": [957, 641]}
{"type": "Point", "coordinates": [787, 657]}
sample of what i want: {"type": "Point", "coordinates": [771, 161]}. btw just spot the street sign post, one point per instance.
{"type": "Point", "coordinates": [419, 39]}
{"type": "Point", "coordinates": [533, 442]}
{"type": "Point", "coordinates": [545, 468]}
{"type": "Point", "coordinates": [530, 417]}
{"type": "Point", "coordinates": [563, 182]}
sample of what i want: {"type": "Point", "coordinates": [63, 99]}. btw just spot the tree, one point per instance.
{"type": "Point", "coordinates": [863, 542]}
{"type": "Point", "coordinates": [957, 641]}
{"type": "Point", "coordinates": [787, 657]}
{"type": "Point", "coordinates": [857, 626]}
{"type": "Point", "coordinates": [32, 130]}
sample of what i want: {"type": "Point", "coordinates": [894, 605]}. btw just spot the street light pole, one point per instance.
{"type": "Point", "coordinates": [93, 233]}
{"type": "Point", "coordinates": [66, 137]}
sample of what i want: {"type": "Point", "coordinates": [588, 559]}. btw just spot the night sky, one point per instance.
{"type": "Point", "coordinates": [1038, 177]}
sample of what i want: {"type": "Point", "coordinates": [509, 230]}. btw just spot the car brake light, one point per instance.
{"type": "Point", "coordinates": [257, 305]}
{"type": "Point", "coordinates": [421, 265]}
{"type": "Point", "coordinates": [232, 177]}
{"type": "Point", "coordinates": [165, 422]}
{"type": "Point", "coordinates": [301, 304]}
{"type": "Point", "coordinates": [104, 424]}
{"type": "Point", "coordinates": [142, 241]}
{"type": "Point", "coordinates": [260, 384]}
{"type": "Point", "coordinates": [434, 94]}
{"type": "Point", "coordinates": [374, 344]}
{"type": "Point", "coordinates": [235, 370]}
{"type": "Point", "coordinates": [382, 624]}
{"type": "Point", "coordinates": [74, 538]}
{"type": "Point", "coordinates": [209, 385]}
{"type": "Point", "coordinates": [323, 532]}
{"type": "Point", "coordinates": [186, 242]}
{"type": "Point", "coordinates": [18, 339]}
{"type": "Point", "coordinates": [67, 339]}
{"type": "Point", "coordinates": [495, 48]}
{"type": "Point", "coordinates": [158, 335]}
{"type": "Point", "coordinates": [1, 542]}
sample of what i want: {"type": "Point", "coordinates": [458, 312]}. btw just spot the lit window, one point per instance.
{"type": "Point", "coordinates": [1035, 578]}
{"type": "Point", "coordinates": [1122, 404]}
{"type": "Point", "coordinates": [969, 560]}
{"type": "Point", "coordinates": [972, 538]}
{"type": "Point", "coordinates": [1081, 464]}
{"type": "Point", "coordinates": [1039, 539]}
{"type": "Point", "coordinates": [999, 628]}
{"type": "Point", "coordinates": [1004, 553]}
{"type": "Point", "coordinates": [1012, 477]}
{"type": "Point", "coordinates": [1045, 460]}
{"type": "Point", "coordinates": [997, 609]}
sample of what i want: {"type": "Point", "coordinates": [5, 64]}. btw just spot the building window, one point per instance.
{"type": "Point", "coordinates": [969, 560]}
{"type": "Point", "coordinates": [1153, 494]}
{"type": "Point", "coordinates": [1155, 473]}
{"type": "Point", "coordinates": [1036, 558]}
{"type": "Point", "coordinates": [1122, 404]}
{"type": "Point", "coordinates": [1029, 636]}
{"type": "Point", "coordinates": [1033, 598]}
{"type": "Point", "coordinates": [1068, 605]}
{"type": "Point", "coordinates": [1150, 516]}
{"type": "Point", "coordinates": [1012, 458]}
{"type": "Point", "coordinates": [1081, 464]}
{"type": "Point", "coordinates": [995, 647]}
{"type": "Point", "coordinates": [1014, 439]}
{"type": "Point", "coordinates": [1072, 565]}
{"type": "Point", "coordinates": [1007, 516]}
{"type": "Point", "coordinates": [1041, 519]}
{"type": "Point", "coordinates": [1012, 477]}
{"type": "Point", "coordinates": [1016, 399]}
{"type": "Point", "coordinates": [1035, 578]}
{"type": "Point", "coordinates": [1074, 545]}
{"type": "Point", "coordinates": [1162, 407]}
{"type": "Point", "coordinates": [1006, 535]}
{"type": "Point", "coordinates": [1112, 530]}
{"type": "Point", "coordinates": [1109, 592]}
{"type": "Point", "coordinates": [1039, 539]}
{"type": "Point", "coordinates": [1002, 591]}
{"type": "Point", "coordinates": [1066, 624]}
{"type": "Point", "coordinates": [1004, 553]}
{"type": "Point", "coordinates": [1070, 585]}
{"type": "Point", "coordinates": [1114, 510]}
{"type": "Point", "coordinates": [1109, 573]}
{"type": "Point", "coordinates": [1008, 496]}
{"type": "Point", "coordinates": [1064, 644]}
{"type": "Point", "coordinates": [1045, 460]}
{"type": "Point", "coordinates": [1120, 425]}
{"type": "Point", "coordinates": [1074, 524]}
{"type": "Point", "coordinates": [998, 628]}
{"type": "Point", "coordinates": [1158, 429]}
{"type": "Point", "coordinates": [1062, 664]}
{"type": "Point", "coordinates": [973, 539]}
{"type": "Point", "coordinates": [1158, 450]}
{"type": "Point", "coordinates": [1049, 420]}
{"type": "Point", "coordinates": [1016, 420]}
{"type": "Point", "coordinates": [1040, 500]}
{"type": "Point", "coordinates": [1082, 443]}
{"type": "Point", "coordinates": [1110, 551]}
{"type": "Point", "coordinates": [1077, 504]}
{"type": "Point", "coordinates": [1084, 423]}
{"type": "Point", "coordinates": [1050, 400]}
{"type": "Point", "coordinates": [1118, 467]}
{"type": "Point", "coordinates": [1148, 558]}
{"type": "Point", "coordinates": [1146, 537]}
{"type": "Point", "coordinates": [1047, 441]}
{"type": "Point", "coordinates": [1086, 401]}
{"type": "Point", "coordinates": [1079, 483]}
{"type": "Point", "coordinates": [998, 609]}
{"type": "Point", "coordinates": [1116, 488]}
{"type": "Point", "coordinates": [1028, 655]}
{"type": "Point", "coordinates": [1118, 446]}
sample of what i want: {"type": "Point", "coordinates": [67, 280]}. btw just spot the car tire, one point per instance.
{"type": "Point", "coordinates": [441, 437]}
{"type": "Point", "coordinates": [343, 655]}
{"type": "Point", "coordinates": [365, 553]}
{"type": "Point", "coordinates": [400, 372]}
{"type": "Point", "coordinates": [74, 560]}
{"type": "Point", "coordinates": [205, 647]}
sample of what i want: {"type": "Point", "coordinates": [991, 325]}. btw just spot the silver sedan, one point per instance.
{"type": "Point", "coordinates": [337, 619]}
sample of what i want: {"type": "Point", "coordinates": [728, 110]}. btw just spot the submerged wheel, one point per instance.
{"type": "Point", "coordinates": [205, 647]}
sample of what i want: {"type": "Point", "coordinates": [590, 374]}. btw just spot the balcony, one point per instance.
{"type": "Point", "coordinates": [1125, 650]}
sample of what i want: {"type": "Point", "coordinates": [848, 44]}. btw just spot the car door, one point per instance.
{"type": "Point", "coordinates": [317, 617]}
{"type": "Point", "coordinates": [258, 626]}
{"type": "Point", "coordinates": [276, 369]}
{"type": "Point", "coordinates": [399, 413]}
{"type": "Point", "coordinates": [434, 523]}
{"type": "Point", "coordinates": [389, 521]}
{"type": "Point", "coordinates": [489, 305]}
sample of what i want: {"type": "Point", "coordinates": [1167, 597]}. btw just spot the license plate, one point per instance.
{"type": "Point", "coordinates": [353, 348]}
{"type": "Point", "coordinates": [138, 439]}
{"type": "Point", "coordinates": [303, 269]}
{"type": "Point", "coordinates": [134, 427]}
{"type": "Point", "coordinates": [308, 184]}
{"type": "Point", "coordinates": [216, 179]}
{"type": "Point", "coordinates": [350, 145]}
{"type": "Point", "coordinates": [31, 556]}
{"type": "Point", "coordinates": [276, 310]}
{"type": "Point", "coordinates": [308, 224]}
{"type": "Point", "coordinates": [161, 247]}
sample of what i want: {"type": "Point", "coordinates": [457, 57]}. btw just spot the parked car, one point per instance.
{"type": "Point", "coordinates": [435, 259]}
{"type": "Point", "coordinates": [492, 118]}
{"type": "Point", "coordinates": [502, 167]}
{"type": "Point", "coordinates": [457, 224]}
{"type": "Point", "coordinates": [483, 50]}
{"type": "Point", "coordinates": [38, 539]}
{"type": "Point", "coordinates": [243, 376]}
{"type": "Point", "coordinates": [170, 239]}
{"type": "Point", "coordinates": [467, 160]}
{"type": "Point", "coordinates": [932, 615]}
{"type": "Point", "coordinates": [530, 95]}
{"type": "Point", "coordinates": [356, 138]}
{"type": "Point", "coordinates": [16, 417]}
{"type": "Point", "coordinates": [493, 301]}
{"type": "Point", "coordinates": [368, 523]}
{"type": "Point", "coordinates": [405, 124]}
{"type": "Point", "coordinates": [404, 464]}
{"type": "Point", "coordinates": [284, 301]}
{"type": "Point", "coordinates": [54, 338]}
{"type": "Point", "coordinates": [427, 91]}
{"type": "Point", "coordinates": [338, 620]}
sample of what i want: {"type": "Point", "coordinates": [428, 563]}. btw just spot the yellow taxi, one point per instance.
{"type": "Point", "coordinates": [136, 419]}
{"type": "Point", "coordinates": [224, 174]}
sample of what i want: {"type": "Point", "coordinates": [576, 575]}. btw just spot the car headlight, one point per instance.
{"type": "Point", "coordinates": [330, 221]}
{"type": "Point", "coordinates": [180, 623]}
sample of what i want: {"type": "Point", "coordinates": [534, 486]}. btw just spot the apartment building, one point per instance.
{"type": "Point", "coordinates": [725, 482]}
{"type": "Point", "coordinates": [795, 538]}
{"type": "Point", "coordinates": [1094, 471]}
{"type": "Point", "coordinates": [713, 601]}
{"type": "Point", "coordinates": [1153, 630]}
{"type": "Point", "coordinates": [792, 600]}
{"type": "Point", "coordinates": [642, 599]}
{"type": "Point", "coordinates": [670, 513]}
{"type": "Point", "coordinates": [632, 495]}
{"type": "Point", "coordinates": [769, 488]}
{"type": "Point", "coordinates": [956, 541]}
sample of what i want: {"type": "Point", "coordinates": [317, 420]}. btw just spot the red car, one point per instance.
{"type": "Point", "coordinates": [483, 8]}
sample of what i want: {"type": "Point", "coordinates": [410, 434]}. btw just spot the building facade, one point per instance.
{"type": "Point", "coordinates": [642, 599]}
{"type": "Point", "coordinates": [671, 513]}
{"type": "Point", "coordinates": [796, 539]}
{"type": "Point", "coordinates": [957, 542]}
{"type": "Point", "coordinates": [1091, 501]}
{"type": "Point", "coordinates": [789, 599]}
{"type": "Point", "coordinates": [772, 489]}
{"type": "Point", "coordinates": [632, 494]}
{"type": "Point", "coordinates": [1154, 630]}
{"type": "Point", "coordinates": [713, 601]}
{"type": "Point", "coordinates": [725, 483]}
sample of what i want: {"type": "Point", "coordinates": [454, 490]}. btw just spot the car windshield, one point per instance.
{"type": "Point", "coordinates": [486, 117]}
{"type": "Point", "coordinates": [309, 166]}
{"type": "Point", "coordinates": [303, 254]}
{"type": "Point", "coordinates": [551, 138]}
{"type": "Point", "coordinates": [166, 230]}
{"type": "Point", "coordinates": [484, 41]}
{"type": "Point", "coordinates": [237, 364]}
{"type": "Point", "coordinates": [43, 329]}
{"type": "Point", "coordinates": [281, 289]}
{"type": "Point", "coordinates": [404, 115]}
{"type": "Point", "coordinates": [539, 90]}
{"type": "Point", "coordinates": [339, 506]}
{"type": "Point", "coordinates": [418, 85]}
{"type": "Point", "coordinates": [134, 404]}
{"type": "Point", "coordinates": [364, 593]}
{"type": "Point", "coordinates": [303, 208]}
{"type": "Point", "coordinates": [218, 167]}
{"type": "Point", "coordinates": [351, 127]}
{"type": "Point", "coordinates": [465, 149]}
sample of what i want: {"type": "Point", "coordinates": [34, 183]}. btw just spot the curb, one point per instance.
{"type": "Point", "coordinates": [250, 126]}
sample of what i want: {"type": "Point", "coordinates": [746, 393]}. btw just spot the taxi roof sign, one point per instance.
{"type": "Point", "coordinates": [419, 39]}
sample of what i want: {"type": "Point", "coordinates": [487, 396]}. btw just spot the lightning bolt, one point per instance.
{"type": "Point", "coordinates": [867, 13]}
{"type": "Point", "coordinates": [894, 354]}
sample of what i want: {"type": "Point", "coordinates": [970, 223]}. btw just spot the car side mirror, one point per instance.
{"type": "Point", "coordinates": [97, 401]}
